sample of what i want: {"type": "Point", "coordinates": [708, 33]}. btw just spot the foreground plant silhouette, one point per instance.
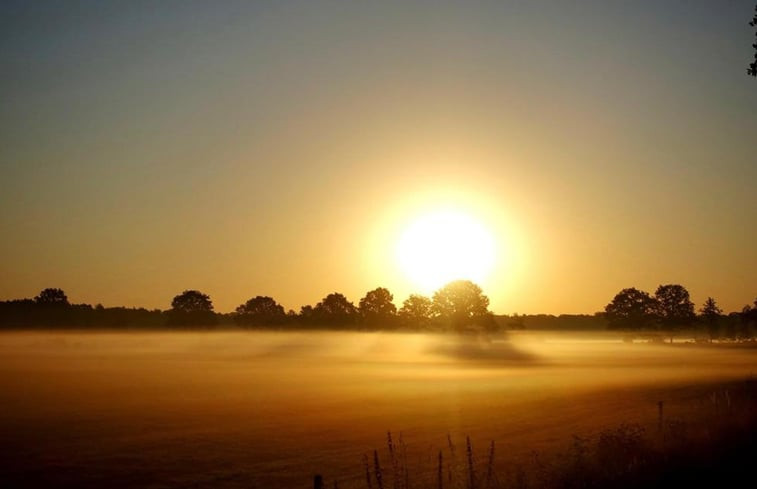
{"type": "Point", "coordinates": [713, 447]}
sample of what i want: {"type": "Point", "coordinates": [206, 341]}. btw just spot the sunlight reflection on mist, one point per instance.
{"type": "Point", "coordinates": [321, 399]}
{"type": "Point", "coordinates": [550, 352]}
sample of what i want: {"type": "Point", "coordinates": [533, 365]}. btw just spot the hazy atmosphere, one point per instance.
{"type": "Point", "coordinates": [378, 245]}
{"type": "Point", "coordinates": [238, 410]}
{"type": "Point", "coordinates": [282, 148]}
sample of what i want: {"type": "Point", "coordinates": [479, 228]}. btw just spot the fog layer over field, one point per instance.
{"type": "Point", "coordinates": [240, 409]}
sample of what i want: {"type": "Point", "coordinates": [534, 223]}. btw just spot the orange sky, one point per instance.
{"type": "Point", "coordinates": [280, 149]}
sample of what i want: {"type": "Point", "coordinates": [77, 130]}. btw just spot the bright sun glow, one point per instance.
{"type": "Point", "coordinates": [443, 246]}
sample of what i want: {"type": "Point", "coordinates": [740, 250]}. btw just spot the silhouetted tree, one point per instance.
{"type": "Point", "coordinates": [461, 303]}
{"type": "Point", "coordinates": [516, 322]}
{"type": "Point", "coordinates": [752, 70]}
{"type": "Point", "coordinates": [191, 307]}
{"type": "Point", "coordinates": [306, 313]}
{"type": "Point", "coordinates": [128, 317]}
{"type": "Point", "coordinates": [748, 321]}
{"type": "Point", "coordinates": [259, 311]}
{"type": "Point", "coordinates": [710, 314]}
{"type": "Point", "coordinates": [674, 308]}
{"type": "Point", "coordinates": [631, 308]}
{"type": "Point", "coordinates": [377, 308]}
{"type": "Point", "coordinates": [416, 311]}
{"type": "Point", "coordinates": [52, 297]}
{"type": "Point", "coordinates": [192, 301]}
{"type": "Point", "coordinates": [336, 310]}
{"type": "Point", "coordinates": [51, 309]}
{"type": "Point", "coordinates": [731, 324]}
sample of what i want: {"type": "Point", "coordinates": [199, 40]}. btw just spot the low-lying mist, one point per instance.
{"type": "Point", "coordinates": [274, 408]}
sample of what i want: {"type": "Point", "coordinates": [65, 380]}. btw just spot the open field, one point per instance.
{"type": "Point", "coordinates": [271, 409]}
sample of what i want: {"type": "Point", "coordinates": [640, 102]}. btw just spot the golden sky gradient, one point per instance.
{"type": "Point", "coordinates": [282, 148]}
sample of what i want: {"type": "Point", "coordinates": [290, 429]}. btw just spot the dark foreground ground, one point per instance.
{"type": "Point", "coordinates": [271, 410]}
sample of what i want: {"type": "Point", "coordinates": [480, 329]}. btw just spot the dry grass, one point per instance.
{"type": "Point", "coordinates": [713, 441]}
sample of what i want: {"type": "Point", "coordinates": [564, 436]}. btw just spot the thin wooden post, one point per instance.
{"type": "Point", "coordinates": [318, 482]}
{"type": "Point", "coordinates": [660, 425]}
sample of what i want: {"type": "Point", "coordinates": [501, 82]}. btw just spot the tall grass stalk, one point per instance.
{"type": "Point", "coordinates": [377, 470]}
{"type": "Point", "coordinates": [471, 474]}
{"type": "Point", "coordinates": [452, 463]}
{"type": "Point", "coordinates": [393, 460]}
{"type": "Point", "coordinates": [490, 466]}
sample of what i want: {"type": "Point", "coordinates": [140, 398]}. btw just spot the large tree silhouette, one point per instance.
{"type": "Point", "coordinates": [461, 303]}
{"type": "Point", "coordinates": [631, 308]}
{"type": "Point", "coordinates": [191, 307]}
{"type": "Point", "coordinates": [377, 308]}
{"type": "Point", "coordinates": [260, 310]}
{"type": "Point", "coordinates": [674, 307]}
{"type": "Point", "coordinates": [416, 311]}
{"type": "Point", "coordinates": [710, 313]}
{"type": "Point", "coordinates": [335, 309]}
{"type": "Point", "coordinates": [51, 296]}
{"type": "Point", "coordinates": [748, 321]}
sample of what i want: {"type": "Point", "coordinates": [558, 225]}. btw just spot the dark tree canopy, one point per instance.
{"type": "Point", "coordinates": [674, 307]}
{"type": "Point", "coordinates": [711, 313]}
{"type": "Point", "coordinates": [260, 310]}
{"type": "Point", "coordinates": [191, 307]}
{"type": "Point", "coordinates": [336, 309]}
{"type": "Point", "coordinates": [748, 321]}
{"type": "Point", "coordinates": [306, 312]}
{"type": "Point", "coordinates": [52, 296]}
{"type": "Point", "coordinates": [710, 310]}
{"type": "Point", "coordinates": [631, 308]}
{"type": "Point", "coordinates": [416, 310]}
{"type": "Point", "coordinates": [461, 303]}
{"type": "Point", "coordinates": [377, 306]}
{"type": "Point", "coordinates": [192, 301]}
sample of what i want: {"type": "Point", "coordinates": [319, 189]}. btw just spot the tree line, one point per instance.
{"type": "Point", "coordinates": [459, 305]}
{"type": "Point", "coordinates": [671, 309]}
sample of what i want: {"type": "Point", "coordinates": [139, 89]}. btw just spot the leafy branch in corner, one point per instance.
{"type": "Point", "coordinates": [752, 70]}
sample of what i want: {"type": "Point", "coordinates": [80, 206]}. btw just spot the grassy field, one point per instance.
{"type": "Point", "coordinates": [271, 409]}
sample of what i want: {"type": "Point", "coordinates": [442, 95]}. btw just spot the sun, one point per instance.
{"type": "Point", "coordinates": [445, 245]}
